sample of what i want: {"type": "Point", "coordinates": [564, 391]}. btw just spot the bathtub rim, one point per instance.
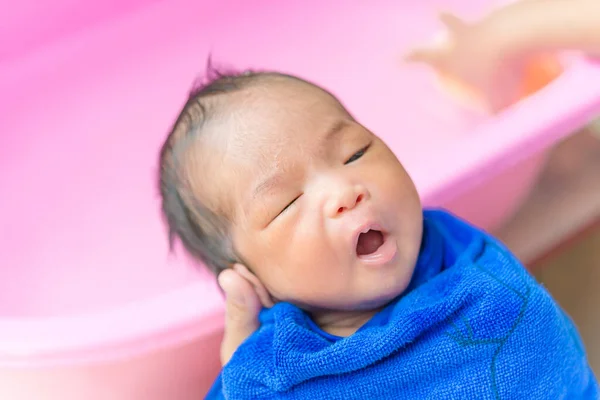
{"type": "Point", "coordinates": [101, 336]}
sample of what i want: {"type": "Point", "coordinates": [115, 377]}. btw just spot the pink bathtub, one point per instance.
{"type": "Point", "coordinates": [92, 306]}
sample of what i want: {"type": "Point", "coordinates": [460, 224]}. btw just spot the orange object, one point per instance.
{"type": "Point", "coordinates": [539, 72]}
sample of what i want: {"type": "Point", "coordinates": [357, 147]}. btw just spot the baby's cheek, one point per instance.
{"type": "Point", "coordinates": [307, 287]}
{"type": "Point", "coordinates": [308, 273]}
{"type": "Point", "coordinates": [392, 183]}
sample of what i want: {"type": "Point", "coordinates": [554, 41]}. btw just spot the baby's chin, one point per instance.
{"type": "Point", "coordinates": [364, 293]}
{"type": "Point", "coordinates": [345, 320]}
{"type": "Point", "coordinates": [379, 295]}
{"type": "Point", "coordinates": [353, 302]}
{"type": "Point", "coordinates": [378, 301]}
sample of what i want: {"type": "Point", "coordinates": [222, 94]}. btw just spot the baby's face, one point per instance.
{"type": "Point", "coordinates": [322, 211]}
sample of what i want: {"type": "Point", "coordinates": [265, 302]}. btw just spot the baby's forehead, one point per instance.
{"type": "Point", "coordinates": [263, 120]}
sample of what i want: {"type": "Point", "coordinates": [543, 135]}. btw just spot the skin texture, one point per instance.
{"type": "Point", "coordinates": [298, 177]}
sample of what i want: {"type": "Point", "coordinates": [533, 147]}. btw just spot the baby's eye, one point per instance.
{"type": "Point", "coordinates": [358, 154]}
{"type": "Point", "coordinates": [288, 206]}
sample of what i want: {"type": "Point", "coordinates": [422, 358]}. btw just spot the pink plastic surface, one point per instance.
{"type": "Point", "coordinates": [91, 303]}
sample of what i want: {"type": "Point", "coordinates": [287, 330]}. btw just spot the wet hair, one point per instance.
{"type": "Point", "coordinates": [203, 232]}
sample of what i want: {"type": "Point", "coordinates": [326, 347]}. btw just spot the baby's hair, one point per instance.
{"type": "Point", "coordinates": [202, 231]}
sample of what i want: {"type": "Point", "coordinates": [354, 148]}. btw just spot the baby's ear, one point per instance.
{"type": "Point", "coordinates": [261, 290]}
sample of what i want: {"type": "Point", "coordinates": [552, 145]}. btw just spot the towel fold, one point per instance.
{"type": "Point", "coordinates": [473, 324]}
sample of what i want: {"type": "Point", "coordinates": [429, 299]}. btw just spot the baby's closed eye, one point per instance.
{"type": "Point", "coordinates": [288, 205]}
{"type": "Point", "coordinates": [358, 154]}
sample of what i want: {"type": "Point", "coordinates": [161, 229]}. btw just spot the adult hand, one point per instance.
{"type": "Point", "coordinates": [245, 296]}
{"type": "Point", "coordinates": [474, 56]}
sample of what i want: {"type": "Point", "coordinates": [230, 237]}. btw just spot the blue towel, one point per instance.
{"type": "Point", "coordinates": [473, 324]}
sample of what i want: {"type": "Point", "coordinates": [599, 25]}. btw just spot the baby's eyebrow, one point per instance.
{"type": "Point", "coordinates": [267, 185]}
{"type": "Point", "coordinates": [335, 129]}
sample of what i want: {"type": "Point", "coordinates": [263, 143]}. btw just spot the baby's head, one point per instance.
{"type": "Point", "coordinates": [272, 172]}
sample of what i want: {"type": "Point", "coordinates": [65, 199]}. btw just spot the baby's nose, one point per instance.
{"type": "Point", "coordinates": [346, 199]}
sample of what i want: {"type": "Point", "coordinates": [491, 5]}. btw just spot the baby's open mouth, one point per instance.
{"type": "Point", "coordinates": [369, 242]}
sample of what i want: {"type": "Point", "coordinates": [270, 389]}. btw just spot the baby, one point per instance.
{"type": "Point", "coordinates": [299, 192]}
{"type": "Point", "coordinates": [373, 298]}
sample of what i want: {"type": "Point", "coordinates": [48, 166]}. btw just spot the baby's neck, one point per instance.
{"type": "Point", "coordinates": [342, 323]}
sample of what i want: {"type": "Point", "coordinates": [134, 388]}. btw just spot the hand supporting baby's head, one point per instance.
{"type": "Point", "coordinates": [272, 172]}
